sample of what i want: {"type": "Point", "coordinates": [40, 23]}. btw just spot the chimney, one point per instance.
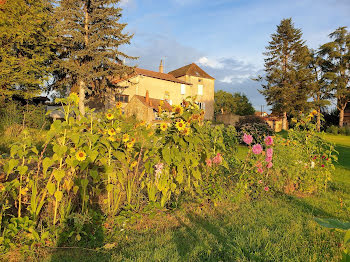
{"type": "Point", "coordinates": [147, 97]}
{"type": "Point", "coordinates": [161, 67]}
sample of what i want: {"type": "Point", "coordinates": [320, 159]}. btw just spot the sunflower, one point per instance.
{"type": "Point", "coordinates": [74, 97]}
{"type": "Point", "coordinates": [178, 109]}
{"type": "Point", "coordinates": [112, 138]}
{"type": "Point", "coordinates": [125, 138]}
{"type": "Point", "coordinates": [186, 131]}
{"type": "Point", "coordinates": [80, 155]}
{"type": "Point", "coordinates": [118, 105]}
{"type": "Point", "coordinates": [180, 125]}
{"type": "Point", "coordinates": [111, 132]}
{"type": "Point", "coordinates": [118, 130]}
{"type": "Point", "coordinates": [109, 116]}
{"type": "Point", "coordinates": [130, 144]}
{"type": "Point", "coordinates": [163, 126]}
{"type": "Point", "coordinates": [142, 123]}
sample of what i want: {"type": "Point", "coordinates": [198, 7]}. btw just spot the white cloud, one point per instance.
{"type": "Point", "coordinates": [236, 78]}
{"type": "Point", "coordinates": [205, 61]}
{"type": "Point", "coordinates": [124, 3]}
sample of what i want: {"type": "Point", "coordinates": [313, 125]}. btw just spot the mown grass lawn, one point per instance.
{"type": "Point", "coordinates": [280, 228]}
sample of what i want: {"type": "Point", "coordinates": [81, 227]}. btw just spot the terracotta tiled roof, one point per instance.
{"type": "Point", "coordinates": [153, 74]}
{"type": "Point", "coordinates": [154, 103]}
{"type": "Point", "coordinates": [191, 70]}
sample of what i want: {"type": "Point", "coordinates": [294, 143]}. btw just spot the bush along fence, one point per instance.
{"type": "Point", "coordinates": [102, 165]}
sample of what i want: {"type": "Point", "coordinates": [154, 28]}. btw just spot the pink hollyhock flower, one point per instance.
{"type": "Point", "coordinates": [266, 188]}
{"type": "Point", "coordinates": [257, 149]}
{"type": "Point", "coordinates": [248, 139]}
{"type": "Point", "coordinates": [315, 157]}
{"type": "Point", "coordinates": [260, 182]}
{"type": "Point", "coordinates": [269, 152]}
{"type": "Point", "coordinates": [258, 164]}
{"type": "Point", "coordinates": [217, 159]}
{"type": "Point", "coordinates": [268, 159]}
{"type": "Point", "coordinates": [322, 165]}
{"type": "Point", "coordinates": [208, 162]}
{"type": "Point", "coordinates": [268, 141]}
{"type": "Point", "coordinates": [260, 170]}
{"type": "Point", "coordinates": [269, 165]}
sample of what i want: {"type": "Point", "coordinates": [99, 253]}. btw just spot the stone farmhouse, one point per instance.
{"type": "Point", "coordinates": [144, 89]}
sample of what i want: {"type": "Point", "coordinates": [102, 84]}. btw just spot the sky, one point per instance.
{"type": "Point", "coordinates": [226, 38]}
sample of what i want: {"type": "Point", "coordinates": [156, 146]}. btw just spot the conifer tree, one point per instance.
{"type": "Point", "coordinates": [89, 35]}
{"type": "Point", "coordinates": [25, 43]}
{"type": "Point", "coordinates": [287, 73]}
{"type": "Point", "coordinates": [337, 54]}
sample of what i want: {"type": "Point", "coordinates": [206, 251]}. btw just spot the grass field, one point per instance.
{"type": "Point", "coordinates": [278, 228]}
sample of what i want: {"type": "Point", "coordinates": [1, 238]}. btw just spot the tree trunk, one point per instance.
{"type": "Point", "coordinates": [82, 97]}
{"type": "Point", "coordinates": [318, 124]}
{"type": "Point", "coordinates": [341, 116]}
{"type": "Point", "coordinates": [284, 121]}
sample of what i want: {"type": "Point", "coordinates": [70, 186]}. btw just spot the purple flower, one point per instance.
{"type": "Point", "coordinates": [269, 153]}
{"type": "Point", "coordinates": [257, 149]}
{"type": "Point", "coordinates": [248, 139]}
{"type": "Point", "coordinates": [268, 141]}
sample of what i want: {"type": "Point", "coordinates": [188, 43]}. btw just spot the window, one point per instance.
{"type": "Point", "coordinates": [122, 98]}
{"type": "Point", "coordinates": [200, 90]}
{"type": "Point", "coordinates": [201, 105]}
{"type": "Point", "coordinates": [199, 80]}
{"type": "Point", "coordinates": [183, 89]}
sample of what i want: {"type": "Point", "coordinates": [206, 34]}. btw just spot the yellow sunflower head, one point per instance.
{"type": "Point", "coordinates": [112, 138]}
{"type": "Point", "coordinates": [118, 130]}
{"type": "Point", "coordinates": [180, 125]}
{"type": "Point", "coordinates": [109, 116]}
{"type": "Point", "coordinates": [118, 105]}
{"type": "Point", "coordinates": [111, 132]}
{"type": "Point", "coordinates": [74, 98]}
{"type": "Point", "coordinates": [178, 109]}
{"type": "Point", "coordinates": [186, 131]}
{"type": "Point", "coordinates": [80, 155]}
{"type": "Point", "coordinates": [163, 126]}
{"type": "Point", "coordinates": [142, 123]}
{"type": "Point", "coordinates": [130, 144]}
{"type": "Point", "coordinates": [125, 138]}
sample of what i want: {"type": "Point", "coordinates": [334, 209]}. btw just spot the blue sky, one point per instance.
{"type": "Point", "coordinates": [226, 38]}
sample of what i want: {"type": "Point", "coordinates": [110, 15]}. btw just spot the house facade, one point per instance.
{"type": "Point", "coordinates": [172, 87]}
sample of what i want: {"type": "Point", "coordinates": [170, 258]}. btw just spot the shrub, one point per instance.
{"type": "Point", "coordinates": [333, 130]}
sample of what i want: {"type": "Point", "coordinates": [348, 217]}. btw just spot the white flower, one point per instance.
{"type": "Point", "coordinates": [312, 164]}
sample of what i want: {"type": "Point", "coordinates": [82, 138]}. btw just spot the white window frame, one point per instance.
{"type": "Point", "coordinates": [200, 90]}
{"type": "Point", "coordinates": [183, 89]}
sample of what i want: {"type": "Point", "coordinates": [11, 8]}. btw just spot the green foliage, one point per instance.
{"type": "Point", "coordinates": [25, 41]}
{"type": "Point", "coordinates": [287, 70]}
{"type": "Point", "coordinates": [236, 103]}
{"type": "Point", "coordinates": [255, 126]}
{"type": "Point", "coordinates": [89, 35]}
{"type": "Point", "coordinates": [337, 56]}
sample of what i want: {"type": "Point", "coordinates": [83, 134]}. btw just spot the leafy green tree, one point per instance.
{"type": "Point", "coordinates": [320, 91]}
{"type": "Point", "coordinates": [25, 46]}
{"type": "Point", "coordinates": [89, 35]}
{"type": "Point", "coordinates": [243, 105]}
{"type": "Point", "coordinates": [287, 73]}
{"type": "Point", "coordinates": [226, 103]}
{"type": "Point", "coordinates": [337, 54]}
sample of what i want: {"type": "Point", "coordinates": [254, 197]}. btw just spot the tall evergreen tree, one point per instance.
{"type": "Point", "coordinates": [89, 35]}
{"type": "Point", "coordinates": [25, 42]}
{"type": "Point", "coordinates": [287, 73]}
{"type": "Point", "coordinates": [337, 54]}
